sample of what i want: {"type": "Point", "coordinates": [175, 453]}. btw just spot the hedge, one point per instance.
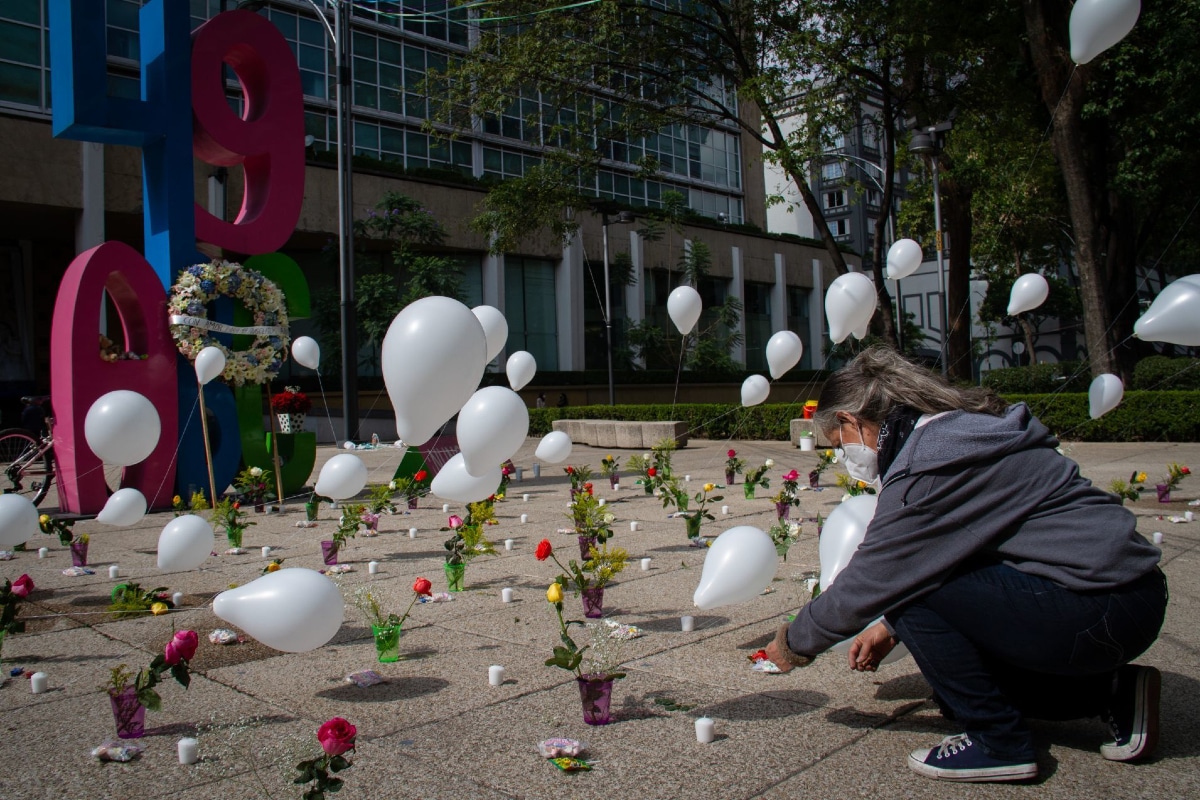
{"type": "Point", "coordinates": [1141, 417]}
{"type": "Point", "coordinates": [1163, 373]}
{"type": "Point", "coordinates": [1061, 376]}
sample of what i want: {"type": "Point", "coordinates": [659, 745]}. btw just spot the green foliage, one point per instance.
{"type": "Point", "coordinates": [1163, 373]}
{"type": "Point", "coordinates": [1062, 376]}
{"type": "Point", "coordinates": [1141, 417]}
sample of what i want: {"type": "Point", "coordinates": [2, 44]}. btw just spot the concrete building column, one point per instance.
{"type": "Point", "coordinates": [779, 295]}
{"type": "Point", "coordinates": [635, 290]}
{"type": "Point", "coordinates": [89, 228]}
{"type": "Point", "coordinates": [816, 317]}
{"type": "Point", "coordinates": [737, 288]}
{"type": "Point", "coordinates": [568, 304]}
{"type": "Point", "coordinates": [493, 295]}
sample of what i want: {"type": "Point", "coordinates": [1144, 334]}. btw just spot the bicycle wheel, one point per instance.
{"type": "Point", "coordinates": [22, 470]}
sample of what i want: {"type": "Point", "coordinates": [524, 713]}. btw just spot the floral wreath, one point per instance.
{"type": "Point", "coordinates": [201, 284]}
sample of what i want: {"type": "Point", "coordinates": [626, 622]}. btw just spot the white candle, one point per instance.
{"type": "Point", "coordinates": [1189, 516]}
{"type": "Point", "coordinates": [42, 551]}
{"type": "Point", "coordinates": [177, 599]}
{"type": "Point", "coordinates": [687, 624]}
{"type": "Point", "coordinates": [687, 478]}
{"type": "Point", "coordinates": [645, 565]}
{"type": "Point", "coordinates": [39, 682]}
{"type": "Point", "coordinates": [524, 518]}
{"type": "Point", "coordinates": [704, 730]}
{"type": "Point", "coordinates": [724, 509]}
{"type": "Point", "coordinates": [633, 526]}
{"type": "Point", "coordinates": [266, 552]}
{"type": "Point", "coordinates": [600, 502]}
{"type": "Point", "coordinates": [373, 567]}
{"type": "Point", "coordinates": [412, 533]}
{"type": "Point", "coordinates": [506, 595]}
{"type": "Point", "coordinates": [1157, 536]}
{"type": "Point", "coordinates": [114, 572]}
{"type": "Point", "coordinates": [508, 544]}
{"type": "Point", "coordinates": [616, 487]}
{"type": "Point", "coordinates": [445, 508]}
{"type": "Point", "coordinates": [525, 497]}
{"type": "Point", "coordinates": [189, 750]}
{"type": "Point", "coordinates": [495, 675]}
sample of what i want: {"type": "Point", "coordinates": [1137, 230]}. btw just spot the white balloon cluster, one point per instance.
{"type": "Point", "coordinates": [849, 305]}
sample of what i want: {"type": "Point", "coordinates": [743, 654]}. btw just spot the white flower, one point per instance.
{"type": "Point", "coordinates": [256, 472]}
{"type": "Point", "coordinates": [769, 463]}
{"type": "Point", "coordinates": [609, 519]}
{"type": "Point", "coordinates": [392, 485]}
{"type": "Point", "coordinates": [646, 456]}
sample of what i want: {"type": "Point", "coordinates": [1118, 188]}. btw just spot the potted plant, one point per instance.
{"type": "Point", "coordinates": [348, 525]}
{"type": "Point", "coordinates": [63, 529]}
{"type": "Point", "coordinates": [784, 535]}
{"type": "Point", "coordinates": [412, 488]}
{"type": "Point", "coordinates": [609, 468]}
{"type": "Point", "coordinates": [11, 596]}
{"type": "Point", "coordinates": [757, 479]}
{"type": "Point", "coordinates": [379, 498]}
{"type": "Point", "coordinates": [808, 441]}
{"type": "Point", "coordinates": [594, 677]}
{"type": "Point", "coordinates": [254, 485]}
{"type": "Point", "coordinates": [580, 479]}
{"type": "Point", "coordinates": [290, 407]}
{"type": "Point", "coordinates": [676, 495]}
{"type": "Point", "coordinates": [1175, 474]}
{"type": "Point", "coordinates": [593, 522]}
{"type": "Point", "coordinates": [825, 459]}
{"type": "Point", "coordinates": [131, 694]}
{"type": "Point", "coordinates": [337, 738]}
{"type": "Point", "coordinates": [228, 514]}
{"type": "Point", "coordinates": [313, 506]}
{"type": "Point", "coordinates": [387, 628]}
{"type": "Point", "coordinates": [602, 565]}
{"type": "Point", "coordinates": [1129, 491]}
{"type": "Point", "coordinates": [733, 466]}
{"type": "Point", "coordinates": [507, 470]}
{"type": "Point", "coordinates": [467, 541]}
{"type": "Point", "coordinates": [787, 496]}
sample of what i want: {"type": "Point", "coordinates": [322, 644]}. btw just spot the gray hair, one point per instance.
{"type": "Point", "coordinates": [879, 379]}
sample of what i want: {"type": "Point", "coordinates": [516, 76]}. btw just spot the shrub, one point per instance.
{"type": "Point", "coordinates": [1063, 376]}
{"type": "Point", "coordinates": [1163, 373]}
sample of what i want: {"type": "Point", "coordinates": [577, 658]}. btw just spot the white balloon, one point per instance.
{"type": "Point", "coordinates": [1097, 25]}
{"type": "Point", "coordinates": [684, 307]}
{"type": "Point", "coordinates": [554, 448]}
{"type": "Point", "coordinates": [306, 352]}
{"type": "Point", "coordinates": [293, 610]}
{"type": "Point", "coordinates": [492, 426]}
{"type": "Point", "coordinates": [433, 357]}
{"type": "Point", "coordinates": [342, 477]}
{"type": "Point", "coordinates": [185, 543]}
{"type": "Point", "coordinates": [210, 362]}
{"type": "Point", "coordinates": [861, 332]}
{"type": "Point", "coordinates": [453, 482]}
{"type": "Point", "coordinates": [1028, 292]}
{"type": "Point", "coordinates": [126, 507]}
{"type": "Point", "coordinates": [755, 390]}
{"type": "Point", "coordinates": [840, 538]}
{"type": "Point", "coordinates": [849, 304]}
{"type": "Point", "coordinates": [1104, 394]}
{"type": "Point", "coordinates": [495, 329]}
{"type": "Point", "coordinates": [784, 349]}
{"type": "Point", "coordinates": [18, 520]}
{"type": "Point", "coordinates": [1174, 316]}
{"type": "Point", "coordinates": [903, 259]}
{"type": "Point", "coordinates": [122, 428]}
{"type": "Point", "coordinates": [520, 368]}
{"type": "Point", "coordinates": [740, 563]}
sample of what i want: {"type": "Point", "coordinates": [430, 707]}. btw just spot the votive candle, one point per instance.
{"type": "Point", "coordinates": [645, 565]}
{"type": "Point", "coordinates": [508, 544]}
{"type": "Point", "coordinates": [39, 682]}
{"type": "Point", "coordinates": [189, 750]}
{"type": "Point", "coordinates": [114, 572]}
{"type": "Point", "coordinates": [495, 675]}
{"type": "Point", "coordinates": [506, 595]}
{"type": "Point", "coordinates": [687, 623]}
{"type": "Point", "coordinates": [373, 567]}
{"type": "Point", "coordinates": [705, 730]}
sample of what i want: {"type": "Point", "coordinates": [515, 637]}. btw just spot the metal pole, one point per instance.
{"type": "Point", "coordinates": [346, 222]}
{"type": "Point", "coordinates": [937, 223]}
{"type": "Point", "coordinates": [612, 397]}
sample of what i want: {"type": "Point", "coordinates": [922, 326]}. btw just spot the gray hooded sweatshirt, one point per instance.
{"type": "Point", "coordinates": [967, 486]}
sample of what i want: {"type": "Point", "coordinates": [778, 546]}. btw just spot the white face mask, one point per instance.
{"type": "Point", "coordinates": [860, 461]}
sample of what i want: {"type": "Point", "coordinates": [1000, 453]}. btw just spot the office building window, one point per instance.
{"type": "Point", "coordinates": [529, 307]}
{"type": "Point", "coordinates": [835, 199]}
{"type": "Point", "coordinates": [798, 299]}
{"type": "Point", "coordinates": [757, 314]}
{"type": "Point", "coordinates": [833, 171]}
{"type": "Point", "coordinates": [25, 57]}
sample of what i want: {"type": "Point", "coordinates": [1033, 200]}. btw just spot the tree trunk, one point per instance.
{"type": "Point", "coordinates": [887, 317]}
{"type": "Point", "coordinates": [960, 359]}
{"type": "Point", "coordinates": [1046, 25]}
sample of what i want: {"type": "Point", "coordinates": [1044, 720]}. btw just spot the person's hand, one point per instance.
{"type": "Point", "coordinates": [777, 656]}
{"type": "Point", "coordinates": [870, 647]}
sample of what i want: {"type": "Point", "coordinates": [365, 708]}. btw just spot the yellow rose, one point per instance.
{"type": "Point", "coordinates": [554, 593]}
{"type": "Point", "coordinates": [44, 520]}
{"type": "Point", "coordinates": [272, 567]}
{"type": "Point", "coordinates": [1141, 477]}
{"type": "Point", "coordinates": [158, 609]}
{"type": "Point", "coordinates": [708, 487]}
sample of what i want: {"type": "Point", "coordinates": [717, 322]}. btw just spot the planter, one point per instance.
{"type": "Point", "coordinates": [79, 554]}
{"type": "Point", "coordinates": [329, 552]}
{"type": "Point", "coordinates": [128, 713]}
{"type": "Point", "coordinates": [808, 443]}
{"type": "Point", "coordinates": [387, 642]}
{"type": "Point", "coordinates": [290, 423]}
{"type": "Point", "coordinates": [454, 576]}
{"type": "Point", "coordinates": [748, 490]}
{"type": "Point", "coordinates": [310, 511]}
{"type": "Point", "coordinates": [729, 476]}
{"type": "Point", "coordinates": [814, 479]}
{"type": "Point", "coordinates": [260, 508]}
{"type": "Point", "coordinates": [613, 480]}
{"type": "Point", "coordinates": [783, 509]}
{"type": "Point", "coordinates": [593, 602]}
{"type": "Point", "coordinates": [595, 692]}
{"type": "Point", "coordinates": [412, 503]}
{"type": "Point", "coordinates": [1164, 493]}
{"type": "Point", "coordinates": [693, 526]}
{"type": "Point", "coordinates": [234, 538]}
{"type": "Point", "coordinates": [585, 544]}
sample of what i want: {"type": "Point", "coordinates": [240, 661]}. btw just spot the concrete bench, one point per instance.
{"type": "Point", "coordinates": [622, 435]}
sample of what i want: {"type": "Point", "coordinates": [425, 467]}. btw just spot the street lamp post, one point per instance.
{"type": "Point", "coordinates": [623, 217]}
{"type": "Point", "coordinates": [928, 142]}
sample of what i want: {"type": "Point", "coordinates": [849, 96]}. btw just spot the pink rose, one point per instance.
{"type": "Point", "coordinates": [181, 648]}
{"type": "Point", "coordinates": [791, 476]}
{"type": "Point", "coordinates": [731, 453]}
{"type": "Point", "coordinates": [455, 522]}
{"type": "Point", "coordinates": [337, 736]}
{"type": "Point", "coordinates": [23, 586]}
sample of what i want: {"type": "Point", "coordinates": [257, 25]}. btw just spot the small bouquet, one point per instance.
{"type": "Point", "coordinates": [789, 492]}
{"type": "Point", "coordinates": [1129, 491]}
{"type": "Point", "coordinates": [852, 487]}
{"type": "Point", "coordinates": [674, 494]}
{"type": "Point", "coordinates": [254, 484]}
{"type": "Point", "coordinates": [609, 466]}
{"type": "Point", "coordinates": [1175, 474]}
{"type": "Point", "coordinates": [733, 465]}
{"type": "Point", "coordinates": [366, 602]}
{"type": "Point", "coordinates": [379, 498]}
{"type": "Point", "coordinates": [507, 470]}
{"type": "Point", "coordinates": [603, 564]}
{"type": "Point", "coordinates": [580, 476]}
{"type": "Point", "coordinates": [825, 460]}
{"type": "Point", "coordinates": [228, 514]}
{"type": "Point", "coordinates": [349, 523]}
{"type": "Point", "coordinates": [591, 519]}
{"type": "Point", "coordinates": [337, 738]}
{"type": "Point", "coordinates": [199, 501]}
{"type": "Point", "coordinates": [784, 535]}
{"type": "Point", "coordinates": [10, 596]}
{"type": "Point", "coordinates": [758, 476]}
{"type": "Point", "coordinates": [131, 600]}
{"type": "Point", "coordinates": [178, 506]}
{"type": "Point", "coordinates": [62, 529]}
{"type": "Point", "coordinates": [174, 659]}
{"type": "Point", "coordinates": [468, 540]}
{"type": "Point", "coordinates": [411, 489]}
{"type": "Point", "coordinates": [291, 401]}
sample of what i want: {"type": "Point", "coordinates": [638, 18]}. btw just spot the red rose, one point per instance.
{"type": "Point", "coordinates": [337, 736]}
{"type": "Point", "coordinates": [731, 453]}
{"type": "Point", "coordinates": [652, 472]}
{"type": "Point", "coordinates": [544, 549]}
{"type": "Point", "coordinates": [237, 503]}
{"type": "Point", "coordinates": [181, 648]}
{"type": "Point", "coordinates": [420, 476]}
{"type": "Point", "coordinates": [1185, 471]}
{"type": "Point", "coordinates": [23, 586]}
{"type": "Point", "coordinates": [570, 470]}
{"type": "Point", "coordinates": [423, 586]}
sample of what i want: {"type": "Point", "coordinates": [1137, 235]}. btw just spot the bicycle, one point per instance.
{"type": "Point", "coordinates": [27, 461]}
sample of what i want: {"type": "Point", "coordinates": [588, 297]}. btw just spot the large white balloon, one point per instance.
{"type": "Point", "coordinates": [861, 331]}
{"type": "Point", "coordinates": [903, 259]}
{"type": "Point", "coordinates": [293, 610]}
{"type": "Point", "coordinates": [453, 482]}
{"type": "Point", "coordinates": [1104, 394]}
{"type": "Point", "coordinates": [185, 543]}
{"type": "Point", "coordinates": [18, 520]}
{"type": "Point", "coordinates": [1097, 25]}
{"type": "Point", "coordinates": [554, 448]}
{"type": "Point", "coordinates": [1028, 292]}
{"type": "Point", "coordinates": [739, 565]}
{"type": "Point", "coordinates": [495, 329]}
{"type": "Point", "coordinates": [342, 477]}
{"type": "Point", "coordinates": [433, 357]}
{"type": "Point", "coordinates": [1174, 316]}
{"type": "Point", "coordinates": [684, 307]}
{"type": "Point", "coordinates": [124, 508]}
{"type": "Point", "coordinates": [492, 426]}
{"type": "Point", "coordinates": [784, 349]}
{"type": "Point", "coordinates": [210, 362]}
{"type": "Point", "coordinates": [755, 390]}
{"type": "Point", "coordinates": [520, 368]}
{"type": "Point", "coordinates": [849, 304]}
{"type": "Point", "coordinates": [306, 352]}
{"type": "Point", "coordinates": [122, 428]}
